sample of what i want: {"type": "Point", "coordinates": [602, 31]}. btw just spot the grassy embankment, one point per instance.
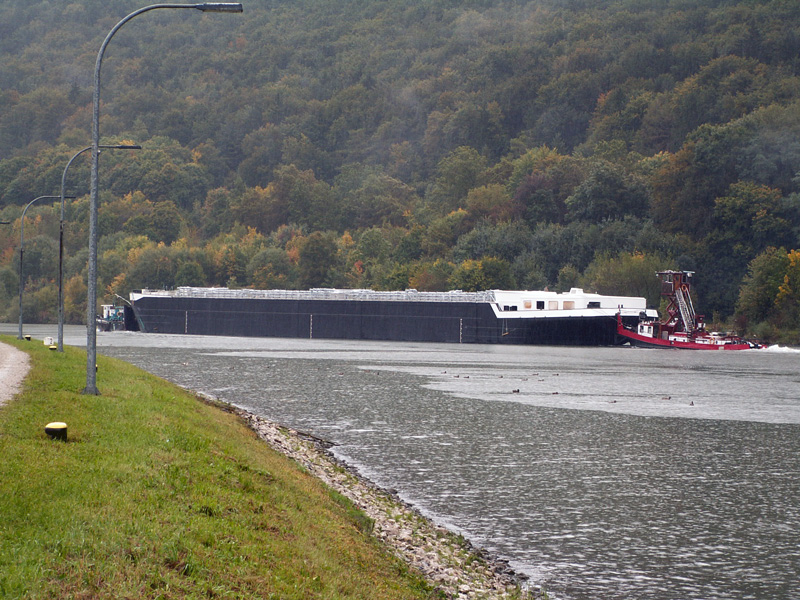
{"type": "Point", "coordinates": [158, 495]}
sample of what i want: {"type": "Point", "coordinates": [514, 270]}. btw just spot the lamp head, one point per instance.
{"type": "Point", "coordinates": [231, 7]}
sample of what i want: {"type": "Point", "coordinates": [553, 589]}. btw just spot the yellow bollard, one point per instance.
{"type": "Point", "coordinates": [56, 430]}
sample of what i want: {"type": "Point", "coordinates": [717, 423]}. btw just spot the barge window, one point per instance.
{"type": "Point", "coordinates": [593, 305]}
{"type": "Point", "coordinates": [526, 303]}
{"type": "Point", "coordinates": [552, 304]}
{"type": "Point", "coordinates": [569, 304]}
{"type": "Point", "coordinates": [540, 305]}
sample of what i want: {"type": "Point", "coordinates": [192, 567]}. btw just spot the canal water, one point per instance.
{"type": "Point", "coordinates": [611, 473]}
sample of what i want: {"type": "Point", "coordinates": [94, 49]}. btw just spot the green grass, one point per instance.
{"type": "Point", "coordinates": [159, 495]}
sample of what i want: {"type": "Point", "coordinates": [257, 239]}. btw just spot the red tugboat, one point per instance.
{"type": "Point", "coordinates": [682, 328]}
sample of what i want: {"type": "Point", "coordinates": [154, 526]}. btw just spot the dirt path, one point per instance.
{"type": "Point", "coordinates": [14, 366]}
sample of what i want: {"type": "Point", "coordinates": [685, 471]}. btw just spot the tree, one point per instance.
{"type": "Point", "coordinates": [443, 232]}
{"type": "Point", "coordinates": [271, 269]}
{"type": "Point", "coordinates": [432, 277]}
{"type": "Point", "coordinates": [788, 299]}
{"type": "Point", "coordinates": [745, 222]}
{"type": "Point", "coordinates": [307, 200]}
{"type": "Point", "coordinates": [685, 188]}
{"type": "Point", "coordinates": [190, 274]}
{"type": "Point", "coordinates": [262, 154]}
{"type": "Point", "coordinates": [208, 156]}
{"type": "Point", "coordinates": [503, 240]}
{"type": "Point", "coordinates": [34, 116]}
{"type": "Point", "coordinates": [760, 287]}
{"type": "Point", "coordinates": [566, 104]}
{"type": "Point", "coordinates": [752, 217]}
{"type": "Point", "coordinates": [491, 202]}
{"type": "Point", "coordinates": [216, 214]}
{"type": "Point", "coordinates": [39, 258]}
{"type": "Point", "coordinates": [9, 284]}
{"type": "Point", "coordinates": [628, 275]}
{"type": "Point", "coordinates": [538, 194]}
{"type": "Point", "coordinates": [75, 299]}
{"type": "Point", "coordinates": [184, 185]}
{"type": "Point", "coordinates": [395, 277]}
{"type": "Point", "coordinates": [769, 300]}
{"type": "Point", "coordinates": [409, 247]}
{"type": "Point", "coordinates": [456, 174]}
{"type": "Point", "coordinates": [541, 181]}
{"type": "Point", "coordinates": [484, 274]}
{"type": "Point", "coordinates": [369, 198]}
{"type": "Point", "coordinates": [166, 222]}
{"type": "Point", "coordinates": [260, 208]}
{"type": "Point", "coordinates": [372, 246]}
{"type": "Point", "coordinates": [568, 278]}
{"type": "Point", "coordinates": [153, 267]}
{"type": "Point", "coordinates": [318, 261]}
{"type": "Point", "coordinates": [479, 126]}
{"type": "Point", "coordinates": [608, 193]}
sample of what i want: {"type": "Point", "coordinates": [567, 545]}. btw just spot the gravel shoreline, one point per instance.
{"type": "Point", "coordinates": [448, 561]}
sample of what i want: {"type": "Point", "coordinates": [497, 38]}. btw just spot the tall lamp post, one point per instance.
{"type": "Point", "coordinates": [61, 235]}
{"type": "Point", "coordinates": [21, 254]}
{"type": "Point", "coordinates": [91, 327]}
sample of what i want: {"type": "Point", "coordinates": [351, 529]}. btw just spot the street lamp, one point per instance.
{"type": "Point", "coordinates": [91, 327]}
{"type": "Point", "coordinates": [61, 236]}
{"type": "Point", "coordinates": [21, 254]}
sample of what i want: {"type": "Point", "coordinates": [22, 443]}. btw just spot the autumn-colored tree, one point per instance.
{"type": "Point", "coordinates": [443, 232]}
{"type": "Point", "coordinates": [760, 287]}
{"type": "Point", "coordinates": [432, 277]}
{"type": "Point", "coordinates": [788, 299]}
{"type": "Point", "coordinates": [491, 202]}
{"type": "Point", "coordinates": [485, 274]}
{"type": "Point", "coordinates": [541, 181]}
{"type": "Point", "coordinates": [686, 187]}
{"type": "Point", "coordinates": [260, 208]}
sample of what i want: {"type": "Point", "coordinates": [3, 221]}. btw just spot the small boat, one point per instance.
{"type": "Point", "coordinates": [682, 327]}
{"type": "Point", "coordinates": [112, 319]}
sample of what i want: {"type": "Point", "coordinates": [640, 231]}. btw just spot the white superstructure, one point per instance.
{"type": "Point", "coordinates": [575, 303]}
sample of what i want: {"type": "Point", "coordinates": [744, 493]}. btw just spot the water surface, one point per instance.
{"type": "Point", "coordinates": [609, 473]}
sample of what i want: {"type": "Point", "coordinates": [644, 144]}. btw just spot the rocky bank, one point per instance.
{"type": "Point", "coordinates": [448, 561]}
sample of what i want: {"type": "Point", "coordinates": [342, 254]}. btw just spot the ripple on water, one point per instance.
{"type": "Point", "coordinates": [616, 487]}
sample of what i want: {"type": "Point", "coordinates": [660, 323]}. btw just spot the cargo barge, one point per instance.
{"type": "Point", "coordinates": [574, 318]}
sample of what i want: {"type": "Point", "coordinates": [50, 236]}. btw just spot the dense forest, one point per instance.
{"type": "Point", "coordinates": [426, 144]}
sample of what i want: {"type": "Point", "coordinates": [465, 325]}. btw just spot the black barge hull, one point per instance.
{"type": "Point", "coordinates": [449, 322]}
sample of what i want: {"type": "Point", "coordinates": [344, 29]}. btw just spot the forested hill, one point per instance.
{"type": "Point", "coordinates": [431, 144]}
